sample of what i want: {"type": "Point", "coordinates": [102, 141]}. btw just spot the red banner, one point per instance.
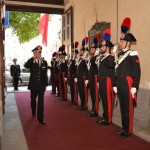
{"type": "Point", "coordinates": [43, 28]}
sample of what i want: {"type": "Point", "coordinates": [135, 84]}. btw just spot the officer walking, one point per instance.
{"type": "Point", "coordinates": [37, 82]}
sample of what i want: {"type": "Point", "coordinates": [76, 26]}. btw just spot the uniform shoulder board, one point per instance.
{"type": "Point", "coordinates": [133, 53]}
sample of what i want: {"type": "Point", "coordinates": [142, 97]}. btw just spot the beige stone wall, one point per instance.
{"type": "Point", "coordinates": [139, 12]}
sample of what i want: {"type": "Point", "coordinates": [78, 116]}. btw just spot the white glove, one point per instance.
{"type": "Point", "coordinates": [75, 79]}
{"type": "Point", "coordinates": [115, 49]}
{"type": "Point", "coordinates": [133, 91]}
{"type": "Point", "coordinates": [96, 52]}
{"type": "Point", "coordinates": [115, 89]}
{"type": "Point", "coordinates": [98, 84]}
{"type": "Point", "coordinates": [86, 82]}
{"type": "Point", "coordinates": [65, 79]}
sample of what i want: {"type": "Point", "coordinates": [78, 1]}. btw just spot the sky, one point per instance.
{"type": "Point", "coordinates": [13, 49]}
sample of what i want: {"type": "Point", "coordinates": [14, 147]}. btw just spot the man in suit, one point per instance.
{"type": "Point", "coordinates": [15, 73]}
{"type": "Point", "coordinates": [37, 82]}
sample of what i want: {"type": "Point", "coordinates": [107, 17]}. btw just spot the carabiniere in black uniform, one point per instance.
{"type": "Point", "coordinates": [106, 74]}
{"type": "Point", "coordinates": [128, 74]}
{"type": "Point", "coordinates": [63, 70]}
{"type": "Point", "coordinates": [82, 74]}
{"type": "Point", "coordinates": [37, 84]}
{"type": "Point", "coordinates": [56, 77]}
{"type": "Point", "coordinates": [71, 75]}
{"type": "Point", "coordinates": [93, 79]}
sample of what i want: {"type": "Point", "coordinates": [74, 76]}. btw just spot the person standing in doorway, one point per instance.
{"type": "Point", "coordinates": [37, 82]}
{"type": "Point", "coordinates": [15, 73]}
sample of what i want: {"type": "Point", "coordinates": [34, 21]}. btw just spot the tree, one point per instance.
{"type": "Point", "coordinates": [24, 25]}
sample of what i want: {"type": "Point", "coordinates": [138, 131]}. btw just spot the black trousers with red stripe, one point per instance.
{"type": "Point", "coordinates": [106, 94]}
{"type": "Point", "coordinates": [126, 103]}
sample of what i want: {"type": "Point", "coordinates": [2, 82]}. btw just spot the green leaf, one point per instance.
{"type": "Point", "coordinates": [24, 25]}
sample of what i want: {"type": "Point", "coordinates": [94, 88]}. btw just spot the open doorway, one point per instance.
{"type": "Point", "coordinates": [23, 50]}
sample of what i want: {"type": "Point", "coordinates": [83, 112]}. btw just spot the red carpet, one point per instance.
{"type": "Point", "coordinates": [70, 129]}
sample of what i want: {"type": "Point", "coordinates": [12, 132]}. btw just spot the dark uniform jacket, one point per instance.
{"type": "Point", "coordinates": [130, 66]}
{"type": "Point", "coordinates": [38, 74]}
{"type": "Point", "coordinates": [107, 68]}
{"type": "Point", "coordinates": [93, 67]}
{"type": "Point", "coordinates": [82, 69]}
{"type": "Point", "coordinates": [55, 67]}
{"type": "Point", "coordinates": [15, 71]}
{"type": "Point", "coordinates": [72, 69]}
{"type": "Point", "coordinates": [63, 68]}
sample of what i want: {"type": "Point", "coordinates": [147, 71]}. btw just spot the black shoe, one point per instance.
{"type": "Point", "coordinates": [92, 114]}
{"type": "Point", "coordinates": [104, 123]}
{"type": "Point", "coordinates": [98, 121]}
{"type": "Point", "coordinates": [33, 114]}
{"type": "Point", "coordinates": [57, 95]}
{"type": "Point", "coordinates": [60, 98]}
{"type": "Point", "coordinates": [52, 92]}
{"type": "Point", "coordinates": [43, 122]}
{"type": "Point", "coordinates": [80, 108]}
{"type": "Point", "coordinates": [119, 132]}
{"type": "Point", "coordinates": [124, 134]}
{"type": "Point", "coordinates": [75, 103]}
{"type": "Point", "coordinates": [71, 103]}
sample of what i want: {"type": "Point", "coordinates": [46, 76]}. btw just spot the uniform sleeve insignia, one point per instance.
{"type": "Point", "coordinates": [137, 61]}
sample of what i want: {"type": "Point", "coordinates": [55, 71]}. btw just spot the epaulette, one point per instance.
{"type": "Point", "coordinates": [133, 53]}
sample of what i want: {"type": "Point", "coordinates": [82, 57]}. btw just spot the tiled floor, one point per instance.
{"type": "Point", "coordinates": [13, 134]}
